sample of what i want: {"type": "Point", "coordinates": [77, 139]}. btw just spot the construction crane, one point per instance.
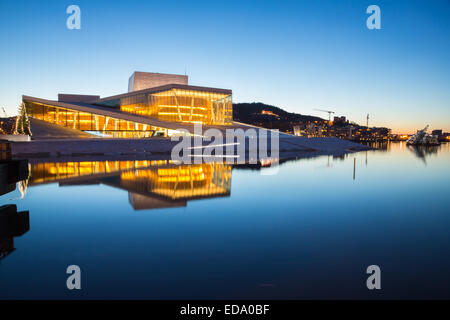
{"type": "Point", "coordinates": [329, 113]}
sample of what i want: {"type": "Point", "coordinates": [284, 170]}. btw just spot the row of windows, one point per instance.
{"type": "Point", "coordinates": [96, 124]}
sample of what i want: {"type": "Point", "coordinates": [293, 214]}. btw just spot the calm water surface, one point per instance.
{"type": "Point", "coordinates": [156, 230]}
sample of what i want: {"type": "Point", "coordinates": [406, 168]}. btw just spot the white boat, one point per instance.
{"type": "Point", "coordinates": [422, 138]}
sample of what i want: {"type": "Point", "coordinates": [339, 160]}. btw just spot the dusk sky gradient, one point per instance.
{"type": "Point", "coordinates": [297, 55]}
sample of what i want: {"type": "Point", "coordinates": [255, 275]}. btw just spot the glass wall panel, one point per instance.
{"type": "Point", "coordinates": [38, 111]}
{"type": "Point", "coordinates": [100, 122]}
{"type": "Point", "coordinates": [85, 121]}
{"type": "Point", "coordinates": [70, 119]}
{"type": "Point", "coordinates": [49, 114]}
{"type": "Point", "coordinates": [61, 117]}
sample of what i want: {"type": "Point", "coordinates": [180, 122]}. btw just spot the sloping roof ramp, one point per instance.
{"type": "Point", "coordinates": [77, 98]}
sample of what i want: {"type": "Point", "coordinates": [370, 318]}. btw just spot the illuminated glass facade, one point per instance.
{"type": "Point", "coordinates": [178, 105]}
{"type": "Point", "coordinates": [91, 122]}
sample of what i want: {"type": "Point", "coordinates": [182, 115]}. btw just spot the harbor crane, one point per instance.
{"type": "Point", "coordinates": [329, 113]}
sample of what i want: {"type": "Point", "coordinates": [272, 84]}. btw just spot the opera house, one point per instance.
{"type": "Point", "coordinates": [155, 105]}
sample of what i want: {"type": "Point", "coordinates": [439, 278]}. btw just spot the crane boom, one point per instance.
{"type": "Point", "coordinates": [328, 111]}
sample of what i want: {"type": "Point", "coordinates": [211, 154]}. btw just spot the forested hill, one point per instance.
{"type": "Point", "coordinates": [264, 115]}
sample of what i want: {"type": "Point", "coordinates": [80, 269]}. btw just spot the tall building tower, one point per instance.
{"type": "Point", "coordinates": [146, 80]}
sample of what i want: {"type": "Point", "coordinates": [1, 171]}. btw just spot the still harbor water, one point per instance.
{"type": "Point", "coordinates": [308, 228]}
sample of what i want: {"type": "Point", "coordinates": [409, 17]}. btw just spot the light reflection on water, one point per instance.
{"type": "Point", "coordinates": [150, 184]}
{"type": "Point", "coordinates": [154, 229]}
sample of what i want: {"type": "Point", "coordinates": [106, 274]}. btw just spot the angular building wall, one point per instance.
{"type": "Point", "coordinates": [91, 122]}
{"type": "Point", "coordinates": [146, 80]}
{"type": "Point", "coordinates": [181, 105]}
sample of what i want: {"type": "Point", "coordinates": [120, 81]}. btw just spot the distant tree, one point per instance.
{"type": "Point", "coordinates": [23, 123]}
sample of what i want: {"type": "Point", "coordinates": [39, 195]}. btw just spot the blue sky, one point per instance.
{"type": "Point", "coordinates": [298, 55]}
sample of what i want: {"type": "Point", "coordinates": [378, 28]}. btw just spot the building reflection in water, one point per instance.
{"type": "Point", "coordinates": [12, 223]}
{"type": "Point", "coordinates": [150, 184]}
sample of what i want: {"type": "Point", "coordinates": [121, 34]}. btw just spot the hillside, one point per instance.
{"type": "Point", "coordinates": [267, 116]}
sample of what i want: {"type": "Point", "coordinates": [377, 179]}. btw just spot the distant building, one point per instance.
{"type": "Point", "coordinates": [297, 131]}
{"type": "Point", "coordinates": [8, 125]}
{"type": "Point", "coordinates": [342, 119]}
{"type": "Point", "coordinates": [270, 113]}
{"type": "Point", "coordinates": [314, 130]}
{"type": "Point", "coordinates": [446, 136]}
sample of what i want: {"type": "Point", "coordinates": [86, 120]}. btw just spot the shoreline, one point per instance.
{"type": "Point", "coordinates": [161, 148]}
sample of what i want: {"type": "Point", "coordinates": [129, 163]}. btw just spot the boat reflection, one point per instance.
{"type": "Point", "coordinates": [150, 184]}
{"type": "Point", "coordinates": [422, 151]}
